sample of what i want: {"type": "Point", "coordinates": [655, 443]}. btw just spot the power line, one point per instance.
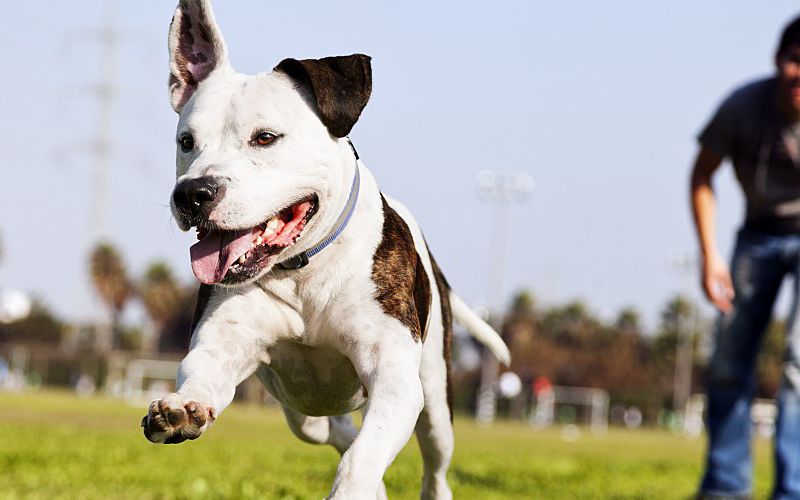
{"type": "Point", "coordinates": [101, 148]}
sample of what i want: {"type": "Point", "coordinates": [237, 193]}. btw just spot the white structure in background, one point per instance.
{"type": "Point", "coordinates": [632, 418]}
{"type": "Point", "coordinates": [596, 401]}
{"type": "Point", "coordinates": [14, 306]}
{"type": "Point", "coordinates": [502, 190]}
{"type": "Point", "coordinates": [12, 376]}
{"type": "Point", "coordinates": [148, 379]}
{"type": "Point", "coordinates": [509, 385]}
{"type": "Point", "coordinates": [693, 417]}
{"type": "Point", "coordinates": [544, 413]}
{"type": "Point", "coordinates": [4, 373]}
{"type": "Point", "coordinates": [685, 263]}
{"type": "Point", "coordinates": [763, 414]}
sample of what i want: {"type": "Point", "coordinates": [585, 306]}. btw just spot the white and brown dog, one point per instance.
{"type": "Point", "coordinates": [312, 279]}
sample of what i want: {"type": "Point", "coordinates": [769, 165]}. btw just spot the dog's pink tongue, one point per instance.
{"type": "Point", "coordinates": [214, 254]}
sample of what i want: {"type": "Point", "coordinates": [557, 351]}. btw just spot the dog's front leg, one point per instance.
{"type": "Point", "coordinates": [389, 369]}
{"type": "Point", "coordinates": [207, 380]}
{"type": "Point", "coordinates": [224, 351]}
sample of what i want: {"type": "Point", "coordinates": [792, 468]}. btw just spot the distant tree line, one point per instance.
{"type": "Point", "coordinates": [566, 343]}
{"type": "Point", "coordinates": [572, 346]}
{"type": "Point", "coordinates": [168, 303]}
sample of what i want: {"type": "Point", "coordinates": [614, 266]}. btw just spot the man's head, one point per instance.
{"type": "Point", "coordinates": [787, 62]}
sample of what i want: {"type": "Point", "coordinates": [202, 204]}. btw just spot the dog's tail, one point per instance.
{"type": "Point", "coordinates": [479, 329]}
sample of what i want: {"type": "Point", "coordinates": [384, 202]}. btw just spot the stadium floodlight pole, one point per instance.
{"type": "Point", "coordinates": [683, 262]}
{"type": "Point", "coordinates": [502, 190]}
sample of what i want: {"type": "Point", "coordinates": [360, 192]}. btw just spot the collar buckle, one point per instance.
{"type": "Point", "coordinates": [299, 261]}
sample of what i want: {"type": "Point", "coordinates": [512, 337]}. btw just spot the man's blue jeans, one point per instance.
{"type": "Point", "coordinates": [760, 263]}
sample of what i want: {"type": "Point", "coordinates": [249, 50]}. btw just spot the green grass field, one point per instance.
{"type": "Point", "coordinates": [53, 445]}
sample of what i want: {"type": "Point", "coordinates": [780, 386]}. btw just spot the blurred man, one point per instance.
{"type": "Point", "coordinates": [758, 129]}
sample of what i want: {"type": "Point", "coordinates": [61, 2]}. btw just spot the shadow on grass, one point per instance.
{"type": "Point", "coordinates": [478, 480]}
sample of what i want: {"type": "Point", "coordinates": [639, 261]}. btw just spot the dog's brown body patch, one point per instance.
{"type": "Point", "coordinates": [447, 323]}
{"type": "Point", "coordinates": [402, 285]}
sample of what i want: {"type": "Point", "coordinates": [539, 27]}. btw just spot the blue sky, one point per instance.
{"type": "Point", "coordinates": [598, 101]}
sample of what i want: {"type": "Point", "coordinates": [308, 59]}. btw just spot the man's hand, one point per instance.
{"type": "Point", "coordinates": [717, 283]}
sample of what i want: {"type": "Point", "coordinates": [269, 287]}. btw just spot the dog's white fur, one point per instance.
{"type": "Point", "coordinates": [316, 337]}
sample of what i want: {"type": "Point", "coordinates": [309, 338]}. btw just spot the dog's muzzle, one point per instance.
{"type": "Point", "coordinates": [194, 199]}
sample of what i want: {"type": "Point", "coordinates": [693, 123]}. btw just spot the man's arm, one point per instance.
{"type": "Point", "coordinates": [717, 283]}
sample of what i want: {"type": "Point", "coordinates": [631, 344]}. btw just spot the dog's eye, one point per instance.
{"type": "Point", "coordinates": [263, 139]}
{"type": "Point", "coordinates": [187, 142]}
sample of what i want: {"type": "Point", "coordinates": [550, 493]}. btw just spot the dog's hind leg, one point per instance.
{"type": "Point", "coordinates": [338, 431]}
{"type": "Point", "coordinates": [434, 429]}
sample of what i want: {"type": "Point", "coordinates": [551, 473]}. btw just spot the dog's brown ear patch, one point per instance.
{"type": "Point", "coordinates": [341, 86]}
{"type": "Point", "coordinates": [196, 48]}
{"type": "Point", "coordinates": [402, 286]}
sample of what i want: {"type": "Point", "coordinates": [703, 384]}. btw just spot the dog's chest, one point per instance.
{"type": "Point", "coordinates": [312, 380]}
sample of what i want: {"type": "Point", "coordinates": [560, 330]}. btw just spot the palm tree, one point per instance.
{"type": "Point", "coordinates": [161, 296]}
{"type": "Point", "coordinates": [629, 321]}
{"type": "Point", "coordinates": [111, 282]}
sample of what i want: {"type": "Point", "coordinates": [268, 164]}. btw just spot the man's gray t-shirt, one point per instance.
{"type": "Point", "coordinates": [765, 150]}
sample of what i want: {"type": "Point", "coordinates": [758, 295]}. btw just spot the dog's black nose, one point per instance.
{"type": "Point", "coordinates": [196, 196]}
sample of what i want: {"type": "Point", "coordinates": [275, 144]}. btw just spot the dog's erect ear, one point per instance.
{"type": "Point", "coordinates": [196, 48]}
{"type": "Point", "coordinates": [341, 87]}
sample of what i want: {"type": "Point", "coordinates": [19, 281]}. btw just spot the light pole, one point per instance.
{"type": "Point", "coordinates": [683, 262]}
{"type": "Point", "coordinates": [502, 190]}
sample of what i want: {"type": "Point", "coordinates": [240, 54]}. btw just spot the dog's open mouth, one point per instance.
{"type": "Point", "coordinates": [229, 257]}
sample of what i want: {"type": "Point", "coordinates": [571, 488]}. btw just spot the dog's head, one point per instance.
{"type": "Point", "coordinates": [262, 161]}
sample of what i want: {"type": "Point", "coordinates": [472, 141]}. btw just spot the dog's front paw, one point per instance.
{"type": "Point", "coordinates": [173, 420]}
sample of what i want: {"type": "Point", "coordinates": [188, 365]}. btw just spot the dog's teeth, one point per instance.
{"type": "Point", "coordinates": [268, 231]}
{"type": "Point", "coordinates": [242, 259]}
{"type": "Point", "coordinates": [259, 240]}
{"type": "Point", "coordinates": [272, 224]}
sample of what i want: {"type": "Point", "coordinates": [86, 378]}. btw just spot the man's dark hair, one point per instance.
{"type": "Point", "coordinates": [790, 35]}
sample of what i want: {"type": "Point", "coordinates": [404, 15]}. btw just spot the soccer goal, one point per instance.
{"type": "Point", "coordinates": [571, 405]}
{"type": "Point", "coordinates": [149, 379]}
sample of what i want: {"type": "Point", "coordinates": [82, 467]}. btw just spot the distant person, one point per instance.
{"type": "Point", "coordinates": [758, 128]}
